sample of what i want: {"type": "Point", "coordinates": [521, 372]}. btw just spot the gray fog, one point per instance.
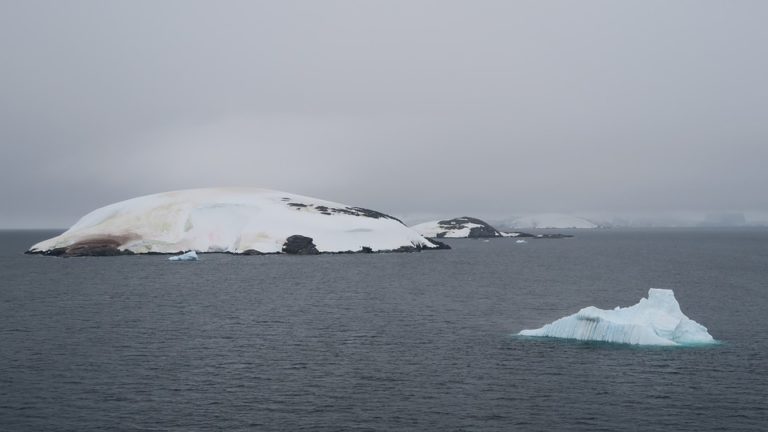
{"type": "Point", "coordinates": [484, 108]}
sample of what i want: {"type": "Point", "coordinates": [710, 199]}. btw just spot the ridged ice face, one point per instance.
{"type": "Point", "coordinates": [234, 220]}
{"type": "Point", "coordinates": [656, 320]}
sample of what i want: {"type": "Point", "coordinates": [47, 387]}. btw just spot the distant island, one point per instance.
{"type": "Point", "coordinates": [551, 221]}
{"type": "Point", "coordinates": [460, 227]}
{"type": "Point", "coordinates": [246, 221]}
{"type": "Point", "coordinates": [470, 227]}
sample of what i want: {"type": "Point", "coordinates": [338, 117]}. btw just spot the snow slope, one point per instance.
{"type": "Point", "coordinates": [234, 220]}
{"type": "Point", "coordinates": [656, 320]}
{"type": "Point", "coordinates": [551, 220]}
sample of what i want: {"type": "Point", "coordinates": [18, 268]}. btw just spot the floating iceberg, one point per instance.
{"type": "Point", "coordinates": [189, 256]}
{"type": "Point", "coordinates": [656, 320]}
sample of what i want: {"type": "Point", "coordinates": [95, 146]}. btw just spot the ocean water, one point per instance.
{"type": "Point", "coordinates": [383, 342]}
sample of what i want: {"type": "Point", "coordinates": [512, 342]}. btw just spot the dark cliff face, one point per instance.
{"type": "Point", "coordinates": [483, 231]}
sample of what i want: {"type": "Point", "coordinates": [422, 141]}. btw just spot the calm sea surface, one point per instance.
{"type": "Point", "coordinates": [420, 341]}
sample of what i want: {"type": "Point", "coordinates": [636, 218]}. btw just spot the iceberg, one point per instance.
{"type": "Point", "coordinates": [656, 320]}
{"type": "Point", "coordinates": [189, 256]}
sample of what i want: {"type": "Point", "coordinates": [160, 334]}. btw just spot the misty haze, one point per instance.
{"type": "Point", "coordinates": [422, 109]}
{"type": "Point", "coordinates": [379, 215]}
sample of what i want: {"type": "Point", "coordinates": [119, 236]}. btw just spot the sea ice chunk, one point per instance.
{"type": "Point", "coordinates": [189, 256]}
{"type": "Point", "coordinates": [656, 320]}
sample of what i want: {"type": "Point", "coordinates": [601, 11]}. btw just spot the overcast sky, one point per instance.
{"type": "Point", "coordinates": [409, 107]}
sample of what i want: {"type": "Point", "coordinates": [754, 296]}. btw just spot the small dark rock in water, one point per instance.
{"type": "Point", "coordinates": [300, 245]}
{"type": "Point", "coordinates": [554, 236]}
{"type": "Point", "coordinates": [252, 252]}
{"type": "Point", "coordinates": [366, 249]}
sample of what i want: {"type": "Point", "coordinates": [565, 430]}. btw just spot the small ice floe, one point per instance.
{"type": "Point", "coordinates": [189, 256]}
{"type": "Point", "coordinates": [520, 241]}
{"type": "Point", "coordinates": [486, 241]}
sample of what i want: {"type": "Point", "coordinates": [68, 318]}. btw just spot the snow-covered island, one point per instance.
{"type": "Point", "coordinates": [246, 221]}
{"type": "Point", "coordinates": [656, 320]}
{"type": "Point", "coordinates": [460, 227]}
{"type": "Point", "coordinates": [470, 227]}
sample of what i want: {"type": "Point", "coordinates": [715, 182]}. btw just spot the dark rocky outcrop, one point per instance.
{"type": "Point", "coordinates": [351, 211]}
{"type": "Point", "coordinates": [553, 236]}
{"type": "Point", "coordinates": [520, 234]}
{"type": "Point", "coordinates": [366, 249]}
{"type": "Point", "coordinates": [251, 252]}
{"type": "Point", "coordinates": [300, 245]}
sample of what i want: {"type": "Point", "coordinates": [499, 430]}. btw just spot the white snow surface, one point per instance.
{"type": "Point", "coordinates": [551, 220]}
{"type": "Point", "coordinates": [656, 320]}
{"type": "Point", "coordinates": [189, 256]}
{"type": "Point", "coordinates": [233, 220]}
{"type": "Point", "coordinates": [433, 228]}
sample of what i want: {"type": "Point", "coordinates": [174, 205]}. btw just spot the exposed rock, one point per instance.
{"type": "Point", "coordinates": [483, 232]}
{"type": "Point", "coordinates": [300, 245]}
{"type": "Point", "coordinates": [366, 249]}
{"type": "Point", "coordinates": [252, 252]}
{"type": "Point", "coordinates": [517, 234]}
